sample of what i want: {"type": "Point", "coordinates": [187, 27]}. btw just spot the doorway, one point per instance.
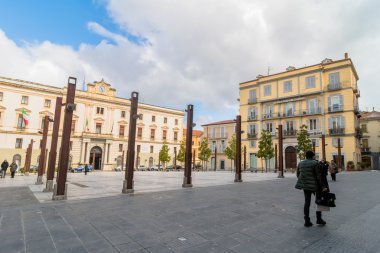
{"type": "Point", "coordinates": [335, 158]}
{"type": "Point", "coordinates": [290, 158]}
{"type": "Point", "coordinates": [222, 165]}
{"type": "Point", "coordinates": [96, 158]}
{"type": "Point", "coordinates": [252, 161]}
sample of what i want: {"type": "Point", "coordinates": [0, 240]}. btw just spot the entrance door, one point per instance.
{"type": "Point", "coordinates": [252, 161]}
{"type": "Point", "coordinates": [96, 158]}
{"type": "Point", "coordinates": [335, 158]}
{"type": "Point", "coordinates": [222, 166]}
{"type": "Point", "coordinates": [367, 161]}
{"type": "Point", "coordinates": [212, 163]}
{"type": "Point", "coordinates": [290, 158]}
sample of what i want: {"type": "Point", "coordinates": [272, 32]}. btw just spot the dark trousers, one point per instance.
{"type": "Point", "coordinates": [306, 208]}
{"type": "Point", "coordinates": [13, 174]}
{"type": "Point", "coordinates": [333, 176]}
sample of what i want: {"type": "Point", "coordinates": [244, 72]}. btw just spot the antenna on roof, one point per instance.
{"type": "Point", "coordinates": [269, 69]}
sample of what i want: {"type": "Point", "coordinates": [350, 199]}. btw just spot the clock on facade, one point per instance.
{"type": "Point", "coordinates": [101, 88]}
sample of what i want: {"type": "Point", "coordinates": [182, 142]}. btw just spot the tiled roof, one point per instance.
{"type": "Point", "coordinates": [196, 133]}
{"type": "Point", "coordinates": [221, 122]}
{"type": "Point", "coordinates": [370, 115]}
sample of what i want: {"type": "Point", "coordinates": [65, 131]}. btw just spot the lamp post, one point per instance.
{"type": "Point", "coordinates": [215, 155]}
{"type": "Point", "coordinates": [187, 182]}
{"type": "Point", "coordinates": [41, 164]}
{"type": "Point", "coordinates": [175, 159]}
{"type": "Point", "coordinates": [245, 158]}
{"type": "Point", "coordinates": [60, 188]}
{"type": "Point", "coordinates": [128, 183]}
{"type": "Point", "coordinates": [238, 150]}
{"type": "Point", "coordinates": [339, 155]}
{"type": "Point", "coordinates": [280, 157]}
{"type": "Point", "coordinates": [323, 147]}
{"type": "Point", "coordinates": [53, 147]}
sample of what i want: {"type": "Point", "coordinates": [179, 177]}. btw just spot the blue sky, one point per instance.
{"type": "Point", "coordinates": [180, 52]}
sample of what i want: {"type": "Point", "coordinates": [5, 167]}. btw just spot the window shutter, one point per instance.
{"type": "Point", "coordinates": [329, 101]}
{"type": "Point", "coordinates": [341, 100]}
{"type": "Point", "coordinates": [330, 123]}
{"type": "Point", "coordinates": [342, 122]}
{"type": "Point", "coordinates": [318, 126]}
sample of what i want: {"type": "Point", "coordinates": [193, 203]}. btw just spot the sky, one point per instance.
{"type": "Point", "coordinates": [176, 53]}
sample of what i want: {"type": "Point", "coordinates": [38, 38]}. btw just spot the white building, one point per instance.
{"type": "Point", "coordinates": [100, 124]}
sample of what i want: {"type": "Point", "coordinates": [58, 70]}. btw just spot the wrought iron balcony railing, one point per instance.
{"type": "Point", "coordinates": [336, 131]}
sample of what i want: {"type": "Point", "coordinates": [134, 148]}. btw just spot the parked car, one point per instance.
{"type": "Point", "coordinates": [142, 168]}
{"type": "Point", "coordinates": [172, 168]}
{"type": "Point", "coordinates": [80, 169]}
{"type": "Point", "coordinates": [156, 168]}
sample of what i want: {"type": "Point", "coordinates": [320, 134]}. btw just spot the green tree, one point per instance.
{"type": "Point", "coordinates": [230, 150]}
{"type": "Point", "coordinates": [181, 153]}
{"type": "Point", "coordinates": [204, 151]}
{"type": "Point", "coordinates": [303, 142]}
{"type": "Point", "coordinates": [266, 149]}
{"type": "Point", "coordinates": [164, 156]}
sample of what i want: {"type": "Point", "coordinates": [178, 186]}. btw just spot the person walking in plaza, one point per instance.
{"type": "Point", "coordinates": [310, 180]}
{"type": "Point", "coordinates": [13, 168]}
{"type": "Point", "coordinates": [324, 166]}
{"type": "Point", "coordinates": [333, 168]}
{"type": "Point", "coordinates": [86, 169]}
{"type": "Point", "coordinates": [4, 167]}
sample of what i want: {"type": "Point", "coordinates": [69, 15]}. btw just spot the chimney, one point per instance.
{"type": "Point", "coordinates": [345, 55]}
{"type": "Point", "coordinates": [373, 109]}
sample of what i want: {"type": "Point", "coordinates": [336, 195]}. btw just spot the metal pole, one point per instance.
{"type": "Point", "coordinates": [189, 136]}
{"type": "Point", "coordinates": [281, 150]}
{"type": "Point", "coordinates": [275, 158]}
{"type": "Point", "coordinates": [215, 155]}
{"type": "Point", "coordinates": [194, 159]}
{"type": "Point", "coordinates": [128, 180]}
{"type": "Point", "coordinates": [339, 155]}
{"type": "Point", "coordinates": [238, 150]}
{"type": "Point", "coordinates": [175, 159]}
{"type": "Point", "coordinates": [53, 147]}
{"type": "Point", "coordinates": [41, 164]}
{"type": "Point", "coordinates": [122, 161]}
{"type": "Point", "coordinates": [28, 158]}
{"type": "Point", "coordinates": [60, 189]}
{"type": "Point", "coordinates": [323, 147]}
{"type": "Point", "coordinates": [245, 158]}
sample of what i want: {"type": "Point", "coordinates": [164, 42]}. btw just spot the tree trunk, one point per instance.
{"type": "Point", "coordinates": [266, 165]}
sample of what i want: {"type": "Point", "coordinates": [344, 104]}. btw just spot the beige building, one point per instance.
{"type": "Point", "coordinates": [370, 126]}
{"type": "Point", "coordinates": [100, 124]}
{"type": "Point", "coordinates": [324, 97]}
{"type": "Point", "coordinates": [218, 135]}
{"type": "Point", "coordinates": [195, 143]}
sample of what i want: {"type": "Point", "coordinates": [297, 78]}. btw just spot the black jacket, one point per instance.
{"type": "Point", "coordinates": [309, 176]}
{"type": "Point", "coordinates": [4, 165]}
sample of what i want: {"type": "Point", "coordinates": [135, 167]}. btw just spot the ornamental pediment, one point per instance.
{"type": "Point", "coordinates": [153, 126]}
{"type": "Point", "coordinates": [123, 121]}
{"type": "Point", "coordinates": [23, 109]}
{"type": "Point", "coordinates": [165, 127]}
{"type": "Point", "coordinates": [46, 113]}
{"type": "Point", "coordinates": [99, 119]}
{"type": "Point", "coordinates": [2, 108]}
{"type": "Point", "coordinates": [140, 124]}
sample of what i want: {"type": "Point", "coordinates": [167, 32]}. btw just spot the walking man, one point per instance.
{"type": "Point", "coordinates": [86, 169]}
{"type": "Point", "coordinates": [333, 168]}
{"type": "Point", "coordinates": [13, 169]}
{"type": "Point", "coordinates": [4, 167]}
{"type": "Point", "coordinates": [311, 182]}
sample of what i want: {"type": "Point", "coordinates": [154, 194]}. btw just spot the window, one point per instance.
{"type": "Point", "coordinates": [270, 127]}
{"type": "Point", "coordinates": [73, 126]}
{"type": "Point", "coordinates": [47, 103]}
{"type": "Point", "coordinates": [175, 136]}
{"type": "Point", "coordinates": [165, 120]}
{"type": "Point", "coordinates": [176, 122]}
{"type": "Point", "coordinates": [139, 132]}
{"type": "Point", "coordinates": [289, 109]}
{"type": "Point", "coordinates": [121, 131]}
{"type": "Point", "coordinates": [152, 133]}
{"type": "Point", "coordinates": [213, 146]}
{"type": "Point", "coordinates": [252, 144]}
{"type": "Point", "coordinates": [18, 143]}
{"type": "Point", "coordinates": [267, 90]}
{"type": "Point", "coordinates": [164, 134]}
{"type": "Point", "coordinates": [313, 124]}
{"type": "Point", "coordinates": [335, 103]}
{"type": "Point", "coordinates": [289, 126]}
{"type": "Point", "coordinates": [141, 116]}
{"type": "Point", "coordinates": [365, 143]}
{"type": "Point", "coordinates": [334, 142]}
{"type": "Point", "coordinates": [100, 110]}
{"type": "Point", "coordinates": [312, 106]}
{"type": "Point", "coordinates": [1, 96]}
{"type": "Point", "coordinates": [222, 132]}
{"type": "Point", "coordinates": [268, 111]}
{"type": "Point", "coordinates": [24, 100]}
{"type": "Point", "coordinates": [252, 113]}
{"type": "Point", "coordinates": [20, 122]}
{"type": "Point", "coordinates": [252, 129]}
{"type": "Point", "coordinates": [222, 146]}
{"type": "Point", "coordinates": [214, 133]}
{"type": "Point", "coordinates": [151, 149]}
{"type": "Point", "coordinates": [336, 122]}
{"type": "Point", "coordinates": [120, 147]}
{"type": "Point", "coordinates": [122, 114]}
{"type": "Point", "coordinates": [310, 82]}
{"type": "Point", "coordinates": [252, 96]}
{"type": "Point", "coordinates": [334, 78]}
{"type": "Point", "coordinates": [315, 142]}
{"type": "Point", "coordinates": [364, 128]}
{"type": "Point", "coordinates": [288, 86]}
{"type": "Point", "coordinates": [153, 118]}
{"type": "Point", "coordinates": [98, 128]}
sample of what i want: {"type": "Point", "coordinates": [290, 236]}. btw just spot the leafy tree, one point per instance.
{"type": "Point", "coordinates": [266, 149]}
{"type": "Point", "coordinates": [181, 153]}
{"type": "Point", "coordinates": [164, 156]}
{"type": "Point", "coordinates": [230, 150]}
{"type": "Point", "coordinates": [303, 142]}
{"type": "Point", "coordinates": [204, 151]}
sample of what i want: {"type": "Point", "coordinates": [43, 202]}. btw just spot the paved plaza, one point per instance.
{"type": "Point", "coordinates": [254, 216]}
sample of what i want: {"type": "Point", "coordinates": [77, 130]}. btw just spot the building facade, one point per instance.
{"type": "Point", "coordinates": [370, 126]}
{"type": "Point", "coordinates": [324, 97]}
{"type": "Point", "coordinates": [100, 125]}
{"type": "Point", "coordinates": [195, 143]}
{"type": "Point", "coordinates": [218, 135]}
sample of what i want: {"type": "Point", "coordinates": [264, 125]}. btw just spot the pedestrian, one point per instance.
{"type": "Point", "coordinates": [333, 168]}
{"type": "Point", "coordinates": [13, 168]}
{"type": "Point", "coordinates": [310, 180]}
{"type": "Point", "coordinates": [324, 166]}
{"type": "Point", "coordinates": [4, 167]}
{"type": "Point", "coordinates": [86, 169]}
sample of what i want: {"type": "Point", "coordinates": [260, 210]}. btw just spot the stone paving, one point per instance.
{"type": "Point", "coordinates": [260, 216]}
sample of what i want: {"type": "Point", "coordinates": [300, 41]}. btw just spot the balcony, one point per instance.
{"type": "Point", "coordinates": [334, 86]}
{"type": "Point", "coordinates": [252, 101]}
{"type": "Point", "coordinates": [335, 108]}
{"type": "Point", "coordinates": [312, 111]}
{"type": "Point", "coordinates": [336, 131]}
{"type": "Point", "coordinates": [268, 116]}
{"type": "Point", "coordinates": [289, 133]}
{"type": "Point", "coordinates": [220, 136]}
{"type": "Point", "coordinates": [366, 150]}
{"type": "Point", "coordinates": [358, 133]}
{"type": "Point", "coordinates": [252, 117]}
{"type": "Point", "coordinates": [315, 132]}
{"type": "Point", "coordinates": [252, 135]}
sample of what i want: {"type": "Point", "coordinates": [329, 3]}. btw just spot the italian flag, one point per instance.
{"type": "Point", "coordinates": [25, 117]}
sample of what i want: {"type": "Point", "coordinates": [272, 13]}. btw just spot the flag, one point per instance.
{"type": "Point", "coordinates": [87, 125]}
{"type": "Point", "coordinates": [112, 128]}
{"type": "Point", "coordinates": [25, 117]}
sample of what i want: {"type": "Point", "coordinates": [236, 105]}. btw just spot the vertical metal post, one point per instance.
{"type": "Point", "coordinates": [128, 181]}
{"type": "Point", "coordinates": [53, 147]}
{"type": "Point", "coordinates": [93, 161]}
{"type": "Point", "coordinates": [245, 158]}
{"type": "Point", "coordinates": [323, 147]}
{"type": "Point", "coordinates": [41, 164]}
{"type": "Point", "coordinates": [175, 159]}
{"type": "Point", "coordinates": [275, 158]}
{"type": "Point", "coordinates": [339, 155]}
{"type": "Point", "coordinates": [28, 157]}
{"type": "Point", "coordinates": [238, 150]}
{"type": "Point", "coordinates": [60, 189]}
{"type": "Point", "coordinates": [194, 159]}
{"type": "Point", "coordinates": [122, 161]}
{"type": "Point", "coordinates": [280, 152]}
{"type": "Point", "coordinates": [189, 136]}
{"type": "Point", "coordinates": [215, 156]}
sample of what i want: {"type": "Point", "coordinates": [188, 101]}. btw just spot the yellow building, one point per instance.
{"type": "Point", "coordinates": [370, 126]}
{"type": "Point", "coordinates": [218, 134]}
{"type": "Point", "coordinates": [324, 97]}
{"type": "Point", "coordinates": [195, 143]}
